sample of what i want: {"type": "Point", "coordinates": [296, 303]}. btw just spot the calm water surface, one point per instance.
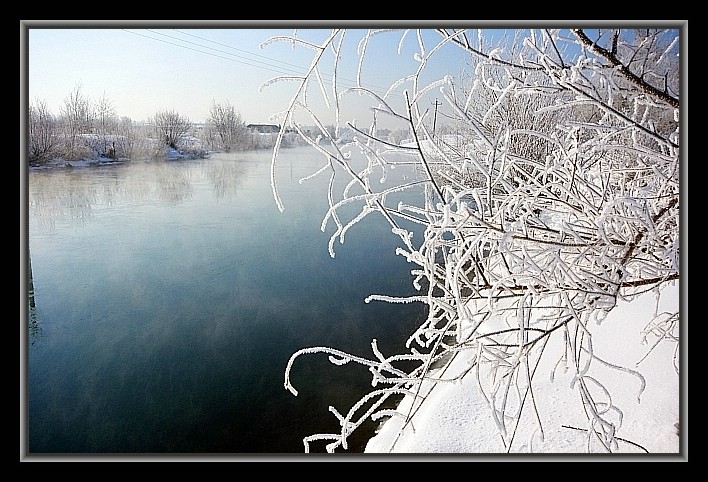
{"type": "Point", "coordinates": [169, 297]}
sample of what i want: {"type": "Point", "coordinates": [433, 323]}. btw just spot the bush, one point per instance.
{"type": "Point", "coordinates": [558, 195]}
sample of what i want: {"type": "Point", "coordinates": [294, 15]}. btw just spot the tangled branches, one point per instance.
{"type": "Point", "coordinates": [555, 194]}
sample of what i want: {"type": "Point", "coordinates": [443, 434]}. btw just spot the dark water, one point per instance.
{"type": "Point", "coordinates": [169, 297]}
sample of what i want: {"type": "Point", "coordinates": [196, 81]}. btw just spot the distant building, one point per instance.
{"type": "Point", "coordinates": [264, 128]}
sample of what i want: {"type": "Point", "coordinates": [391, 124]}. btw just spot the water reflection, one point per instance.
{"type": "Point", "coordinates": [73, 195]}
{"type": "Point", "coordinates": [35, 330]}
{"type": "Point", "coordinates": [225, 178]}
{"type": "Point", "coordinates": [174, 185]}
{"type": "Point", "coordinates": [165, 323]}
{"type": "Point", "coordinates": [54, 197]}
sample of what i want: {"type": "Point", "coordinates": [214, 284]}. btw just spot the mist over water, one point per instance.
{"type": "Point", "coordinates": [169, 297]}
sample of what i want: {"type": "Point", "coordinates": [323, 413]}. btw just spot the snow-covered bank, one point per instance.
{"type": "Point", "coordinates": [455, 417]}
{"type": "Point", "coordinates": [56, 163]}
{"type": "Point", "coordinates": [171, 154]}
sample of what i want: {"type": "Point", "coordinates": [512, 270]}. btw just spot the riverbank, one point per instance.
{"type": "Point", "coordinates": [455, 417]}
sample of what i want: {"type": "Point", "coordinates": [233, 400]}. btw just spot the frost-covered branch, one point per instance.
{"type": "Point", "coordinates": [551, 193]}
{"type": "Point", "coordinates": [611, 56]}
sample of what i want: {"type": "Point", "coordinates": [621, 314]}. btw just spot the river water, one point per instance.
{"type": "Point", "coordinates": [169, 296]}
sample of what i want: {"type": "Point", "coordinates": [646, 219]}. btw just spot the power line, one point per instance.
{"type": "Point", "coordinates": [243, 60]}
{"type": "Point", "coordinates": [238, 49]}
{"type": "Point", "coordinates": [353, 82]}
{"type": "Point", "coordinates": [201, 51]}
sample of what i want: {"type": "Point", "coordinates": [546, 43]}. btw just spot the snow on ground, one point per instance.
{"type": "Point", "coordinates": [455, 418]}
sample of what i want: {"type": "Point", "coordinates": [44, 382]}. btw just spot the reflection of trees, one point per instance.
{"type": "Point", "coordinates": [73, 195]}
{"type": "Point", "coordinates": [154, 181]}
{"type": "Point", "coordinates": [60, 196]}
{"type": "Point", "coordinates": [225, 178]}
{"type": "Point", "coordinates": [173, 184]}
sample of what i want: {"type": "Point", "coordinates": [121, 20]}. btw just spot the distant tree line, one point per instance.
{"type": "Point", "coordinates": [87, 129]}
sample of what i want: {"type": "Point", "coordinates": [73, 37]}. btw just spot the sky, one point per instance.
{"type": "Point", "coordinates": [141, 70]}
{"type": "Point", "coordinates": [143, 67]}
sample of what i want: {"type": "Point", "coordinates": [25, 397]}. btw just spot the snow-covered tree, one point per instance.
{"type": "Point", "coordinates": [131, 139]}
{"type": "Point", "coordinates": [228, 126]}
{"type": "Point", "coordinates": [171, 127]}
{"type": "Point", "coordinates": [559, 197]}
{"type": "Point", "coordinates": [77, 119]}
{"type": "Point", "coordinates": [105, 127]}
{"type": "Point", "coordinates": [42, 133]}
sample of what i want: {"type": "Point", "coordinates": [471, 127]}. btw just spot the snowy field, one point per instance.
{"type": "Point", "coordinates": [455, 418]}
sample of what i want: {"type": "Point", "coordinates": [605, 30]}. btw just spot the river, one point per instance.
{"type": "Point", "coordinates": [169, 296]}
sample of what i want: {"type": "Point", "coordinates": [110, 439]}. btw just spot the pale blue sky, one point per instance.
{"type": "Point", "coordinates": [185, 66]}
{"type": "Point", "coordinates": [144, 70]}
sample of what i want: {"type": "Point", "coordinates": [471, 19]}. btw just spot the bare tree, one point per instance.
{"type": "Point", "coordinates": [130, 139]}
{"type": "Point", "coordinates": [170, 128]}
{"type": "Point", "coordinates": [77, 118]}
{"type": "Point", "coordinates": [561, 199]}
{"type": "Point", "coordinates": [229, 127]}
{"type": "Point", "coordinates": [210, 137]}
{"type": "Point", "coordinates": [42, 135]}
{"type": "Point", "coordinates": [105, 127]}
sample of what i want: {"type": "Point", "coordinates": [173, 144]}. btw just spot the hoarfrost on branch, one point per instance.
{"type": "Point", "coordinates": [551, 192]}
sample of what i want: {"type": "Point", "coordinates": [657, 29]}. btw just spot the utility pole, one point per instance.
{"type": "Point", "coordinates": [435, 115]}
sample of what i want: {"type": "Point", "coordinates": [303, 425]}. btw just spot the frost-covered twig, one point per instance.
{"type": "Point", "coordinates": [556, 196]}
